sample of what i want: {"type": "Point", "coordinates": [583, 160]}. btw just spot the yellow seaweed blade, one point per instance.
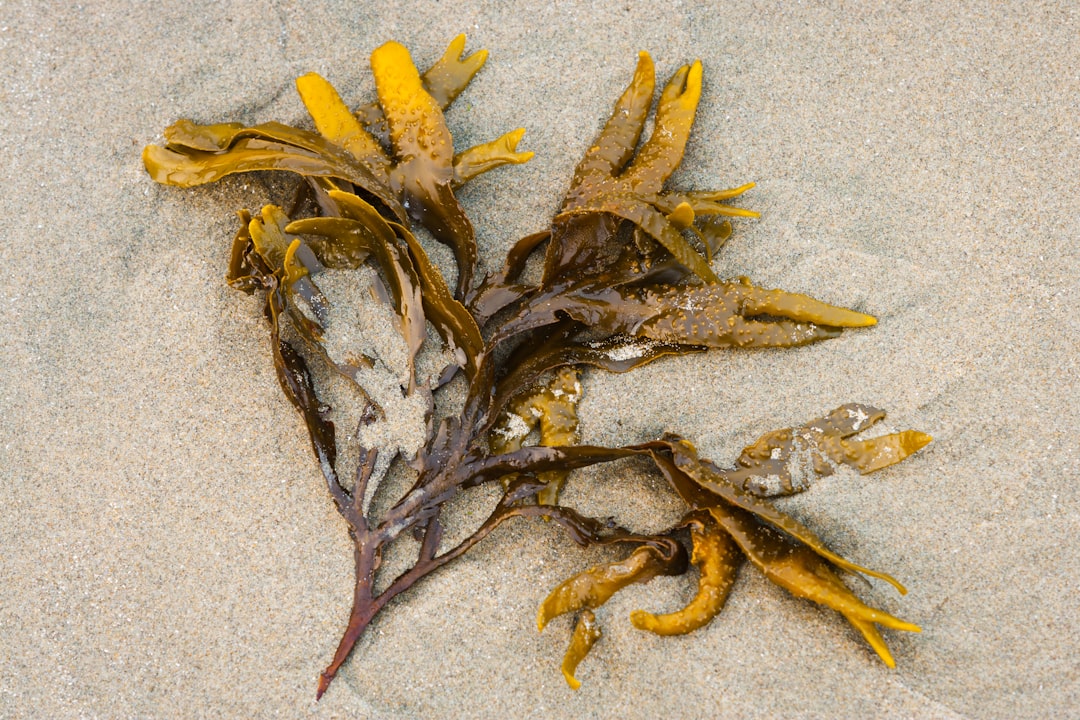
{"type": "Point", "coordinates": [739, 501]}
{"type": "Point", "coordinates": [706, 202]}
{"type": "Point", "coordinates": [799, 570]}
{"type": "Point", "coordinates": [336, 123]}
{"type": "Point", "coordinates": [880, 452]}
{"type": "Point", "coordinates": [717, 558]}
{"type": "Point", "coordinates": [424, 173]}
{"type": "Point", "coordinates": [593, 587]}
{"type": "Point", "coordinates": [444, 81]}
{"type": "Point", "coordinates": [265, 148]}
{"type": "Point", "coordinates": [873, 638]}
{"type": "Point", "coordinates": [866, 627]}
{"type": "Point", "coordinates": [417, 128]}
{"type": "Point", "coordinates": [269, 236]}
{"type": "Point", "coordinates": [490, 155]}
{"type": "Point", "coordinates": [615, 144]}
{"type": "Point", "coordinates": [725, 210]}
{"type": "Point", "coordinates": [795, 306]}
{"type": "Point", "coordinates": [451, 73]}
{"type": "Point", "coordinates": [586, 633]}
{"type": "Point", "coordinates": [712, 315]}
{"type": "Point", "coordinates": [209, 138]}
{"type": "Point", "coordinates": [650, 220]}
{"type": "Point", "coordinates": [663, 151]}
{"type": "Point", "coordinates": [717, 195]}
{"type": "Point", "coordinates": [775, 455]}
{"type": "Point", "coordinates": [170, 167]}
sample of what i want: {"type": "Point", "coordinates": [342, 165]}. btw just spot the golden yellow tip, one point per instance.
{"type": "Point", "coordinates": [863, 320]}
{"type": "Point", "coordinates": [644, 70]}
{"type": "Point", "coordinates": [691, 93]}
{"type": "Point", "coordinates": [642, 620]}
{"type": "Point", "coordinates": [513, 138]}
{"type": "Point", "coordinates": [682, 216]}
{"type": "Point", "coordinates": [918, 440]}
{"type": "Point", "coordinates": [898, 624]}
{"type": "Point", "coordinates": [391, 53]}
{"type": "Point", "coordinates": [693, 79]}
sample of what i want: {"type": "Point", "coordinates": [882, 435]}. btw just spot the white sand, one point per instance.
{"type": "Point", "coordinates": [170, 549]}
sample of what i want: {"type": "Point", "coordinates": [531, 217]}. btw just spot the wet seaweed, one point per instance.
{"type": "Point", "coordinates": [626, 279]}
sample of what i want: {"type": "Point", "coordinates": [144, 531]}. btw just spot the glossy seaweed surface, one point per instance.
{"type": "Point", "coordinates": [624, 278]}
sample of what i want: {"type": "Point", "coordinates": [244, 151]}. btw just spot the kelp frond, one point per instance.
{"type": "Point", "coordinates": [405, 158]}
{"type": "Point", "coordinates": [626, 280]}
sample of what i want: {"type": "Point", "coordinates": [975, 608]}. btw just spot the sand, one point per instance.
{"type": "Point", "coordinates": [170, 549]}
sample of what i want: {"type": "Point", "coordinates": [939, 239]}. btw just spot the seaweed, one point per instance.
{"type": "Point", "coordinates": [626, 279]}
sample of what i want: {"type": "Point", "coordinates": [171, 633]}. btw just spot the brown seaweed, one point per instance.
{"type": "Point", "coordinates": [414, 176]}
{"type": "Point", "coordinates": [717, 559]}
{"type": "Point", "coordinates": [551, 409]}
{"type": "Point", "coordinates": [626, 280]}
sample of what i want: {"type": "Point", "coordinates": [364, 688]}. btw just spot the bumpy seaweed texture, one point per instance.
{"type": "Point", "coordinates": [625, 280]}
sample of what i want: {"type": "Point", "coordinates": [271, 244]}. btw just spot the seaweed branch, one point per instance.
{"type": "Point", "coordinates": [626, 279]}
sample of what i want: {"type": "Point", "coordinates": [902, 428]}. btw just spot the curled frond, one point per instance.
{"type": "Point", "coordinates": [586, 633]}
{"type": "Point", "coordinates": [717, 559]}
{"type": "Point", "coordinates": [592, 588]}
